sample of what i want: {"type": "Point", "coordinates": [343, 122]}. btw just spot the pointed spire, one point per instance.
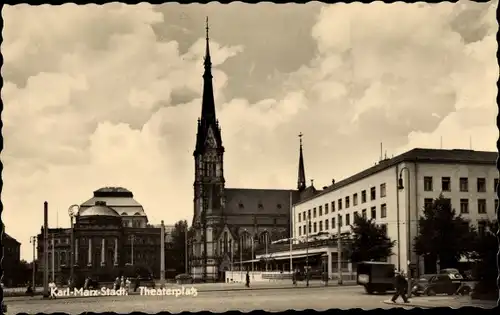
{"type": "Point", "coordinates": [301, 181]}
{"type": "Point", "coordinates": [208, 61]}
{"type": "Point", "coordinates": [208, 119]}
{"type": "Point", "coordinates": [208, 105]}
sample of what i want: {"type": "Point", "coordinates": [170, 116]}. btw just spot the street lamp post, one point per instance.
{"type": "Point", "coordinates": [33, 240]}
{"type": "Point", "coordinates": [132, 238]}
{"type": "Point", "coordinates": [72, 212]}
{"type": "Point", "coordinates": [308, 222]}
{"type": "Point", "coordinates": [408, 215]}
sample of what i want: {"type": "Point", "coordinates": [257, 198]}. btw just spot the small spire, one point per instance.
{"type": "Point", "coordinates": [301, 180]}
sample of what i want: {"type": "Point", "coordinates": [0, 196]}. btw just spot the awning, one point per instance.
{"type": "Point", "coordinates": [295, 257]}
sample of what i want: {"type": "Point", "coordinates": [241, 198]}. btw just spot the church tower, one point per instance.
{"type": "Point", "coordinates": [209, 178]}
{"type": "Point", "coordinates": [301, 178]}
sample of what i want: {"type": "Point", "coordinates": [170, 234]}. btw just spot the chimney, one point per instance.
{"type": "Point", "coordinates": [333, 181]}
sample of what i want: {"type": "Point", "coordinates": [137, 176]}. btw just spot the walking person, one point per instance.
{"type": "Point", "coordinates": [400, 283]}
{"type": "Point", "coordinates": [247, 282]}
{"type": "Point", "coordinates": [137, 283]}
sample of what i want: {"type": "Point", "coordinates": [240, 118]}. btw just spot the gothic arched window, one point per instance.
{"type": "Point", "coordinates": [225, 242]}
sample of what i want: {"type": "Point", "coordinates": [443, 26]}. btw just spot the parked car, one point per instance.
{"type": "Point", "coordinates": [183, 278]}
{"type": "Point", "coordinates": [440, 284]}
{"type": "Point", "coordinates": [146, 282]}
{"type": "Point", "coordinates": [419, 285]}
{"type": "Point", "coordinates": [376, 276]}
{"type": "Point", "coordinates": [452, 272]}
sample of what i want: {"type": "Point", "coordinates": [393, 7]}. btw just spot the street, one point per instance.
{"type": "Point", "coordinates": [270, 300]}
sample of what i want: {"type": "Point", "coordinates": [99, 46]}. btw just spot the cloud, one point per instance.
{"type": "Point", "coordinates": [103, 97]}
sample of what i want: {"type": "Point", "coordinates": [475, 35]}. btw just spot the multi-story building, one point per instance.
{"type": "Point", "coordinates": [11, 260]}
{"type": "Point", "coordinates": [111, 233]}
{"type": "Point", "coordinates": [467, 178]}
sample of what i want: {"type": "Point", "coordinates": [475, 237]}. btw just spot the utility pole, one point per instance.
{"type": "Point", "coordinates": [33, 265]}
{"type": "Point", "coordinates": [53, 259]}
{"type": "Point", "coordinates": [45, 249]}
{"type": "Point", "coordinates": [241, 257]}
{"type": "Point", "coordinates": [162, 254]}
{"type": "Point", "coordinates": [186, 248]}
{"type": "Point", "coordinates": [308, 222]}
{"type": "Point", "coordinates": [72, 212]}
{"type": "Point", "coordinates": [339, 250]}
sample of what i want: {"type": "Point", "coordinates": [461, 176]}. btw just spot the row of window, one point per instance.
{"type": "Point", "coordinates": [347, 203]}
{"type": "Point", "coordinates": [316, 227]}
{"type": "Point", "coordinates": [464, 205]}
{"type": "Point", "coordinates": [463, 184]}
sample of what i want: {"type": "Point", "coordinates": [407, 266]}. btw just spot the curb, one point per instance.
{"type": "Point", "coordinates": [389, 302]}
{"type": "Point", "coordinates": [276, 288]}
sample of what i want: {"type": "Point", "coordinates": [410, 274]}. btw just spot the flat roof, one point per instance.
{"type": "Point", "coordinates": [418, 155]}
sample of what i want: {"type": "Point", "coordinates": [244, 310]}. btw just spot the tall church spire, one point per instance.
{"type": "Point", "coordinates": [208, 105]}
{"type": "Point", "coordinates": [301, 180]}
{"type": "Point", "coordinates": [208, 126]}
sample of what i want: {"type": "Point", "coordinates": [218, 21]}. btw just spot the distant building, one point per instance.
{"type": "Point", "coordinates": [111, 232]}
{"type": "Point", "coordinates": [11, 258]}
{"type": "Point", "coordinates": [467, 178]}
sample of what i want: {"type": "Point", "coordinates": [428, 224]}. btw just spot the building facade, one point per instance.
{"type": "Point", "coordinates": [230, 222]}
{"type": "Point", "coordinates": [467, 178]}
{"type": "Point", "coordinates": [11, 259]}
{"type": "Point", "coordinates": [111, 237]}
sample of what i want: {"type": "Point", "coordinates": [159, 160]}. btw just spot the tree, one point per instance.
{"type": "Point", "coordinates": [369, 241]}
{"type": "Point", "coordinates": [178, 251]}
{"type": "Point", "coordinates": [485, 255]}
{"type": "Point", "coordinates": [443, 235]}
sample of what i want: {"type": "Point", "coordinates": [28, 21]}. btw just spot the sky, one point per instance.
{"type": "Point", "coordinates": [109, 95]}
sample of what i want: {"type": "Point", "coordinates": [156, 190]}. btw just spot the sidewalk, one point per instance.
{"type": "Point", "coordinates": [264, 285]}
{"type": "Point", "coordinates": [444, 301]}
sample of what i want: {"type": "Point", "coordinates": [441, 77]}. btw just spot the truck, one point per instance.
{"type": "Point", "coordinates": [375, 276]}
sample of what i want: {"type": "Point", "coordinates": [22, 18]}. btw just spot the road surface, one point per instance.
{"type": "Point", "coordinates": [317, 298]}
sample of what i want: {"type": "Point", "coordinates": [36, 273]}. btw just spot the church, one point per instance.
{"type": "Point", "coordinates": [230, 224]}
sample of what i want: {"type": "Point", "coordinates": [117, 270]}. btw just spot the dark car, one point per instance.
{"type": "Point", "coordinates": [183, 278]}
{"type": "Point", "coordinates": [376, 276]}
{"type": "Point", "coordinates": [440, 284]}
{"type": "Point", "coordinates": [453, 273]}
{"type": "Point", "coordinates": [420, 284]}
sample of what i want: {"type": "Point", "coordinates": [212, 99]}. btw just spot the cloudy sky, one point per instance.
{"type": "Point", "coordinates": [109, 96]}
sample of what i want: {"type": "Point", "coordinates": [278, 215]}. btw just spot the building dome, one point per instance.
{"type": "Point", "coordinates": [99, 209]}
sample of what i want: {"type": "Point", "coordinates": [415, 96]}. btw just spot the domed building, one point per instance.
{"type": "Point", "coordinates": [111, 235]}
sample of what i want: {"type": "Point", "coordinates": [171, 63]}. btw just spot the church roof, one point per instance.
{"type": "Point", "coordinates": [255, 201]}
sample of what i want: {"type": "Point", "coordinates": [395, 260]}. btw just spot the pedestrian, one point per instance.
{"type": "Point", "coordinates": [86, 283]}
{"type": "Point", "coordinates": [127, 285]}
{"type": "Point", "coordinates": [294, 278]}
{"type": "Point", "coordinates": [117, 283]}
{"type": "Point", "coordinates": [52, 289]}
{"type": "Point", "coordinates": [122, 282]}
{"type": "Point", "coordinates": [29, 289]}
{"type": "Point", "coordinates": [137, 283]}
{"type": "Point", "coordinates": [400, 283]}
{"type": "Point", "coordinates": [247, 284]}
